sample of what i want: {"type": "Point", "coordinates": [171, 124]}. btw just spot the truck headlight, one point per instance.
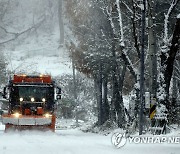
{"type": "Point", "coordinates": [21, 99]}
{"type": "Point", "coordinates": [47, 115]}
{"type": "Point", "coordinates": [43, 99]}
{"type": "Point", "coordinates": [17, 114]}
{"type": "Point", "coordinates": [32, 99]}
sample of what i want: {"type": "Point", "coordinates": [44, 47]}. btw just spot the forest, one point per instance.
{"type": "Point", "coordinates": [120, 43]}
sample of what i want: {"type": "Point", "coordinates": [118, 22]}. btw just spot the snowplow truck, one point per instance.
{"type": "Point", "coordinates": [31, 103]}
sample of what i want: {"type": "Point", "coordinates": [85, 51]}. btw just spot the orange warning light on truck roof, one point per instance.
{"type": "Point", "coordinates": [32, 78]}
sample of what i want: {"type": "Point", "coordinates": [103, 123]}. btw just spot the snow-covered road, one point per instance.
{"type": "Point", "coordinates": [73, 141]}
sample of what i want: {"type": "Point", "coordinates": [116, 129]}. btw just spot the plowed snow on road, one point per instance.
{"type": "Point", "coordinates": [72, 141]}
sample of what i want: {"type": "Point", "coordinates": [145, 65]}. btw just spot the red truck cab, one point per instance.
{"type": "Point", "coordinates": [31, 102]}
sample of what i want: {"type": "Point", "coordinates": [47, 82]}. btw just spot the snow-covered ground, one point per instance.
{"type": "Point", "coordinates": [73, 141]}
{"type": "Point", "coordinates": [44, 57]}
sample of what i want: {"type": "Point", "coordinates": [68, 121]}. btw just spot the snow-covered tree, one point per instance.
{"type": "Point", "coordinates": [108, 48]}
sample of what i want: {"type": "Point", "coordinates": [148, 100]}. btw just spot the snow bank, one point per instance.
{"type": "Point", "coordinates": [73, 141]}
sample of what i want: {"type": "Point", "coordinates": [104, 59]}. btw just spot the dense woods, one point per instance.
{"type": "Point", "coordinates": [109, 49]}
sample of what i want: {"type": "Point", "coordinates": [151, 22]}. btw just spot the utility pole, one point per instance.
{"type": "Point", "coordinates": [143, 18]}
{"type": "Point", "coordinates": [152, 63]}
{"type": "Point", "coordinates": [152, 53]}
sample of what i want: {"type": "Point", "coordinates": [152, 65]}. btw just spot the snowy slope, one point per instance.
{"type": "Point", "coordinates": [36, 50]}
{"type": "Point", "coordinates": [43, 57]}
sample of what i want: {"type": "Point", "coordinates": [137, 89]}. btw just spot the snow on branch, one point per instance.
{"type": "Point", "coordinates": [178, 16]}
{"type": "Point", "coordinates": [136, 42]}
{"type": "Point", "coordinates": [124, 55]}
{"type": "Point", "coordinates": [177, 78]}
{"type": "Point", "coordinates": [129, 64]}
{"type": "Point", "coordinates": [120, 24]}
{"type": "Point", "coordinates": [130, 10]}
{"type": "Point", "coordinates": [166, 20]}
{"type": "Point", "coordinates": [103, 35]}
{"type": "Point", "coordinates": [109, 12]}
{"type": "Point", "coordinates": [177, 68]}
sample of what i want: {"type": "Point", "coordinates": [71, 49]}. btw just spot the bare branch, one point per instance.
{"type": "Point", "coordinates": [130, 10]}
{"type": "Point", "coordinates": [6, 31]}
{"type": "Point", "coordinates": [129, 64]}
{"type": "Point", "coordinates": [120, 24]}
{"type": "Point", "coordinates": [16, 35]}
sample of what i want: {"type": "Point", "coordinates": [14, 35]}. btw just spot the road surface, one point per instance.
{"type": "Point", "coordinates": [73, 141]}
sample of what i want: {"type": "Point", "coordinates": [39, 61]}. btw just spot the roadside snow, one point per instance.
{"type": "Point", "coordinates": [74, 141]}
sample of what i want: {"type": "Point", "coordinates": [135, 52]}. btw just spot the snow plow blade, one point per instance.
{"type": "Point", "coordinates": [24, 122]}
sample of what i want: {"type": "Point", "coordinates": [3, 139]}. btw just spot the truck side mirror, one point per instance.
{"type": "Point", "coordinates": [4, 93]}
{"type": "Point", "coordinates": [58, 93]}
{"type": "Point", "coordinates": [1, 112]}
{"type": "Point", "coordinates": [58, 97]}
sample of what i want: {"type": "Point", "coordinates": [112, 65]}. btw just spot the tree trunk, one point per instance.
{"type": "Point", "coordinates": [117, 98]}
{"type": "Point", "coordinates": [105, 100]}
{"type": "Point", "coordinates": [172, 54]}
{"type": "Point", "coordinates": [99, 95]}
{"type": "Point", "coordinates": [173, 102]}
{"type": "Point", "coordinates": [167, 63]}
{"type": "Point", "coordinates": [61, 24]}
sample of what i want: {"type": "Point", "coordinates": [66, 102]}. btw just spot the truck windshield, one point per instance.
{"type": "Point", "coordinates": [36, 92]}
